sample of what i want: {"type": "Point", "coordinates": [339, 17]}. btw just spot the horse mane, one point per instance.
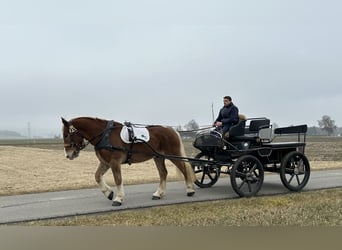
{"type": "Point", "coordinates": [96, 119]}
{"type": "Point", "coordinates": [87, 118]}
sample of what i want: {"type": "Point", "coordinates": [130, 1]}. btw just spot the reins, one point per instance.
{"type": "Point", "coordinates": [174, 127]}
{"type": "Point", "coordinates": [193, 130]}
{"type": "Point", "coordinates": [104, 143]}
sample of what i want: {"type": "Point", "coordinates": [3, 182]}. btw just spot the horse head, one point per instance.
{"type": "Point", "coordinates": [73, 140]}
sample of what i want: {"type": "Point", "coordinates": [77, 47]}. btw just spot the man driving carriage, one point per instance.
{"type": "Point", "coordinates": [228, 115]}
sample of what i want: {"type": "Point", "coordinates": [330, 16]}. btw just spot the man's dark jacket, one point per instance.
{"type": "Point", "coordinates": [229, 115]}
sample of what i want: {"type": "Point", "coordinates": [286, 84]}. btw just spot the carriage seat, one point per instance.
{"type": "Point", "coordinates": [237, 129]}
{"type": "Point", "coordinates": [258, 129]}
{"type": "Point", "coordinates": [256, 124]}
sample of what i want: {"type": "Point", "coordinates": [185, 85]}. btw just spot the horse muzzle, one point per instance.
{"type": "Point", "coordinates": [72, 154]}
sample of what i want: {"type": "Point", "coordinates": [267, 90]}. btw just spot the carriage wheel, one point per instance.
{"type": "Point", "coordinates": [295, 171]}
{"type": "Point", "coordinates": [206, 173]}
{"type": "Point", "coordinates": [247, 176]}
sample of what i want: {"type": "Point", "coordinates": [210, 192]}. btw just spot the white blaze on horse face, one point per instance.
{"type": "Point", "coordinates": [66, 153]}
{"type": "Point", "coordinates": [69, 154]}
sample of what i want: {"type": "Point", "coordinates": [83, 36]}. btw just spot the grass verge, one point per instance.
{"type": "Point", "coordinates": [314, 208]}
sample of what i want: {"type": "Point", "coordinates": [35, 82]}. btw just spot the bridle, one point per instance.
{"type": "Point", "coordinates": [72, 132]}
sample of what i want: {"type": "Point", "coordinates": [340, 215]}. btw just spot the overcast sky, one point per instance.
{"type": "Point", "coordinates": [166, 62]}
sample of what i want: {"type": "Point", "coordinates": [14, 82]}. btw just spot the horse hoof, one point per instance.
{"type": "Point", "coordinates": [110, 196]}
{"type": "Point", "coordinates": [155, 198]}
{"type": "Point", "coordinates": [116, 203]}
{"type": "Point", "coordinates": [190, 194]}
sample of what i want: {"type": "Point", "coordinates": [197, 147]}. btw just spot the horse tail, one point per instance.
{"type": "Point", "coordinates": [188, 168]}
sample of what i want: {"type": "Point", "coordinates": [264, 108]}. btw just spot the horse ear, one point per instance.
{"type": "Point", "coordinates": [65, 122]}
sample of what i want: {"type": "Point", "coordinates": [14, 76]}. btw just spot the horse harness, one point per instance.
{"type": "Point", "coordinates": [104, 142]}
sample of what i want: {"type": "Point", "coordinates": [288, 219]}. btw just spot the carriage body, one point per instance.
{"type": "Point", "coordinates": [248, 152]}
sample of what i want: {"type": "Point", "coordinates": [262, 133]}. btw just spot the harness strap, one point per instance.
{"type": "Point", "coordinates": [129, 155]}
{"type": "Point", "coordinates": [104, 142]}
{"type": "Point", "coordinates": [131, 136]}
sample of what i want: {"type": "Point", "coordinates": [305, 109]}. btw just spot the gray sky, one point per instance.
{"type": "Point", "coordinates": [166, 62]}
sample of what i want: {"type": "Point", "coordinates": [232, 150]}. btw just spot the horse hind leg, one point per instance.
{"type": "Point", "coordinates": [188, 173]}
{"type": "Point", "coordinates": [185, 168]}
{"type": "Point", "coordinates": [105, 188]}
{"type": "Point", "coordinates": [160, 163]}
{"type": "Point", "coordinates": [189, 179]}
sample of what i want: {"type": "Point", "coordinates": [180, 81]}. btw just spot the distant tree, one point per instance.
{"type": "Point", "coordinates": [57, 137]}
{"type": "Point", "coordinates": [191, 125]}
{"type": "Point", "coordinates": [327, 124]}
{"type": "Point", "coordinates": [179, 128]}
{"type": "Point", "coordinates": [314, 131]}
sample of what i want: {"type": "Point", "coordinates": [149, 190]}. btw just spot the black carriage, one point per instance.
{"type": "Point", "coordinates": [247, 152]}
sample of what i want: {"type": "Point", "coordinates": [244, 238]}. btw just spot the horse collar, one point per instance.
{"type": "Point", "coordinates": [104, 142]}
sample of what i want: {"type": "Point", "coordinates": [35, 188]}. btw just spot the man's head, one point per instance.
{"type": "Point", "coordinates": [227, 100]}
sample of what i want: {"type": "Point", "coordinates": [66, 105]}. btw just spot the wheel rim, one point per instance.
{"type": "Point", "coordinates": [247, 176]}
{"type": "Point", "coordinates": [295, 171]}
{"type": "Point", "coordinates": [206, 173]}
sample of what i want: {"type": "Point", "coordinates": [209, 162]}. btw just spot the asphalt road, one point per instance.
{"type": "Point", "coordinates": [29, 207]}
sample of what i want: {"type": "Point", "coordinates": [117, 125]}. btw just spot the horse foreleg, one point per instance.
{"type": "Point", "coordinates": [105, 188]}
{"type": "Point", "coordinates": [120, 194]}
{"type": "Point", "coordinates": [160, 162]}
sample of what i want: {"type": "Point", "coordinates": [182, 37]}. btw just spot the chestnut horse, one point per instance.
{"type": "Point", "coordinates": [112, 152]}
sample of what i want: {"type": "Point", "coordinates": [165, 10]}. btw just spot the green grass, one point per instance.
{"type": "Point", "coordinates": [314, 208]}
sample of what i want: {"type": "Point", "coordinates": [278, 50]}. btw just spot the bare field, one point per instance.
{"type": "Point", "coordinates": [39, 167]}
{"type": "Point", "coordinates": [27, 170]}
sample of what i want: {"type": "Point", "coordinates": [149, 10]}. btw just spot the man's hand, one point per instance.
{"type": "Point", "coordinates": [218, 124]}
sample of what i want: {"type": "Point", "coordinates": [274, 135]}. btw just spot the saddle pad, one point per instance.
{"type": "Point", "coordinates": [139, 133]}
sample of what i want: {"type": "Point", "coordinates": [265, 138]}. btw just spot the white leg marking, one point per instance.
{"type": "Point", "coordinates": [106, 190]}
{"type": "Point", "coordinates": [161, 190]}
{"type": "Point", "coordinates": [120, 194]}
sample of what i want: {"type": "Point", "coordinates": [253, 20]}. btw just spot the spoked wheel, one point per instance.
{"type": "Point", "coordinates": [295, 171]}
{"type": "Point", "coordinates": [206, 173]}
{"type": "Point", "coordinates": [247, 176]}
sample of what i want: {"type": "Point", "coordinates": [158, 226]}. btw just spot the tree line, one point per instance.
{"type": "Point", "coordinates": [326, 126]}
